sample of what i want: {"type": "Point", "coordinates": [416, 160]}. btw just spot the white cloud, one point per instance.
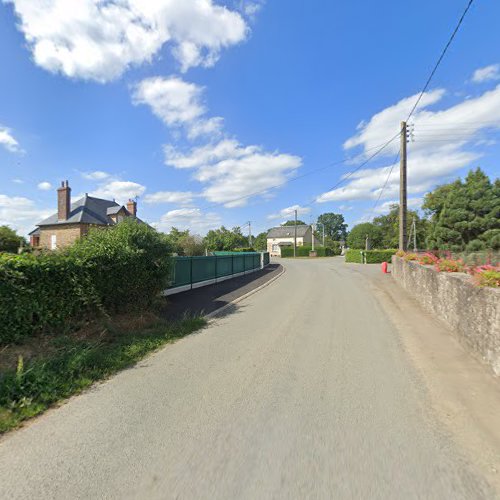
{"type": "Point", "coordinates": [177, 103]}
{"type": "Point", "coordinates": [118, 190]}
{"type": "Point", "coordinates": [97, 175]}
{"type": "Point", "coordinates": [413, 203]}
{"type": "Point", "coordinates": [444, 143]}
{"type": "Point", "coordinates": [17, 181]}
{"type": "Point", "coordinates": [289, 212]}
{"type": "Point", "coordinates": [7, 140]}
{"type": "Point", "coordinates": [180, 197]}
{"type": "Point", "coordinates": [234, 172]}
{"type": "Point", "coordinates": [44, 186]}
{"type": "Point", "coordinates": [193, 219]}
{"type": "Point", "coordinates": [488, 73]}
{"type": "Point", "coordinates": [20, 213]}
{"type": "Point", "coordinates": [98, 40]}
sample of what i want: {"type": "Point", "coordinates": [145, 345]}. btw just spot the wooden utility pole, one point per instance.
{"type": "Point", "coordinates": [250, 234]}
{"type": "Point", "coordinates": [402, 191]}
{"type": "Point", "coordinates": [295, 237]}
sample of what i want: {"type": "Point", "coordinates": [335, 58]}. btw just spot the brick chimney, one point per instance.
{"type": "Point", "coordinates": [132, 207]}
{"type": "Point", "coordinates": [63, 201]}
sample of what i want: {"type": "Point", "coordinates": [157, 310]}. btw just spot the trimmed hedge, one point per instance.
{"type": "Point", "coordinates": [303, 251]}
{"type": "Point", "coordinates": [369, 256]}
{"type": "Point", "coordinates": [354, 256]}
{"type": "Point", "coordinates": [379, 256]}
{"type": "Point", "coordinates": [113, 269]}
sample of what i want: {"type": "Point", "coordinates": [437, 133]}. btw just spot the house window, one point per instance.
{"type": "Point", "coordinates": [53, 241]}
{"type": "Point", "coordinates": [276, 248]}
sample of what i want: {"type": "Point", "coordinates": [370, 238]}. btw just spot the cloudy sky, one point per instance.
{"type": "Point", "coordinates": [214, 112]}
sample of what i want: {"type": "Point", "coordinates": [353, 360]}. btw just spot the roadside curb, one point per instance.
{"type": "Point", "coordinates": [215, 313]}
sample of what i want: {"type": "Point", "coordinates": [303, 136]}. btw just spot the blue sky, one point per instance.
{"type": "Point", "coordinates": [201, 107]}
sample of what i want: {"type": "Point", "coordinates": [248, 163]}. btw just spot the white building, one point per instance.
{"type": "Point", "coordinates": [283, 236]}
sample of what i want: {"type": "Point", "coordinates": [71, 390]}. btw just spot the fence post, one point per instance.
{"type": "Point", "coordinates": [191, 271]}
{"type": "Point", "coordinates": [216, 259]}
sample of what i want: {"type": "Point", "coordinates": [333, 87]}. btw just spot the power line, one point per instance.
{"type": "Point", "coordinates": [425, 87]}
{"type": "Point", "coordinates": [352, 172]}
{"type": "Point", "coordinates": [446, 47]}
{"type": "Point", "coordinates": [305, 174]}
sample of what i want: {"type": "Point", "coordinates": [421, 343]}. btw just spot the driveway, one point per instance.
{"type": "Point", "coordinates": [305, 391]}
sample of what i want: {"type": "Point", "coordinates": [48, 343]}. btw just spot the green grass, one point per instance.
{"type": "Point", "coordinates": [76, 364]}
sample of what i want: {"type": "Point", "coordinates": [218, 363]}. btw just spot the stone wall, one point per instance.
{"type": "Point", "coordinates": [473, 313]}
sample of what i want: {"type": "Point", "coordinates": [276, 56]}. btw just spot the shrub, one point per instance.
{"type": "Point", "coordinates": [428, 259]}
{"type": "Point", "coordinates": [487, 277]}
{"type": "Point", "coordinates": [244, 249]}
{"type": "Point", "coordinates": [111, 269]}
{"type": "Point", "coordinates": [303, 251]}
{"type": "Point", "coordinates": [400, 253]}
{"type": "Point", "coordinates": [38, 292]}
{"type": "Point", "coordinates": [354, 256]}
{"type": "Point", "coordinates": [378, 256]}
{"type": "Point", "coordinates": [410, 256]}
{"type": "Point", "coordinates": [128, 263]}
{"type": "Point", "coordinates": [450, 266]}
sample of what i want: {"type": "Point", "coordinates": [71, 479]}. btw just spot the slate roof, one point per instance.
{"type": "Point", "coordinates": [87, 210]}
{"type": "Point", "coordinates": [288, 231]}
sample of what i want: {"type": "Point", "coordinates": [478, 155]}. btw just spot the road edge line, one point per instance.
{"type": "Point", "coordinates": [215, 313]}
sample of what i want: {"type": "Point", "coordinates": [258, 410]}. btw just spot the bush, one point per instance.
{"type": "Point", "coordinates": [450, 266]}
{"type": "Point", "coordinates": [128, 263]}
{"type": "Point", "coordinates": [354, 256]}
{"type": "Point", "coordinates": [244, 249]}
{"type": "Point", "coordinates": [378, 256]}
{"type": "Point", "coordinates": [427, 259]}
{"type": "Point", "coordinates": [410, 256]}
{"type": "Point", "coordinates": [37, 292]}
{"type": "Point", "coordinates": [110, 270]}
{"type": "Point", "coordinates": [487, 276]}
{"type": "Point", "coordinates": [303, 251]}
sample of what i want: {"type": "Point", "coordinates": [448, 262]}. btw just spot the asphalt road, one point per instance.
{"type": "Point", "coordinates": [304, 392]}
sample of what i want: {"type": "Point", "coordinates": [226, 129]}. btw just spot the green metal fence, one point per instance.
{"type": "Point", "coordinates": [191, 272]}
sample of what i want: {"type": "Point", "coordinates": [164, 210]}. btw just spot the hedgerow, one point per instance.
{"type": "Point", "coordinates": [303, 251]}
{"type": "Point", "coordinates": [369, 256]}
{"type": "Point", "coordinates": [112, 269]}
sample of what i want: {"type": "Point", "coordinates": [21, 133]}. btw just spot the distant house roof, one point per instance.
{"type": "Point", "coordinates": [88, 210]}
{"type": "Point", "coordinates": [288, 231]}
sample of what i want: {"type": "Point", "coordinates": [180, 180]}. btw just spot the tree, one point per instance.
{"type": "Point", "coordinates": [335, 226]}
{"type": "Point", "coordinates": [292, 223]}
{"type": "Point", "coordinates": [464, 215]}
{"type": "Point", "coordinates": [225, 239]}
{"type": "Point", "coordinates": [357, 236]}
{"type": "Point", "coordinates": [389, 226]}
{"type": "Point", "coordinates": [260, 242]}
{"type": "Point", "coordinates": [10, 241]}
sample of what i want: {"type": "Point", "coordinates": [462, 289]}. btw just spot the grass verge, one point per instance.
{"type": "Point", "coordinates": [74, 362]}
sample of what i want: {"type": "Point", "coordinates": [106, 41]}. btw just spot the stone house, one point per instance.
{"type": "Point", "coordinates": [73, 220]}
{"type": "Point", "coordinates": [281, 236]}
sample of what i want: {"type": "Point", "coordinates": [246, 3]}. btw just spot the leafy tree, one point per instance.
{"type": "Point", "coordinates": [260, 242]}
{"type": "Point", "coordinates": [464, 214]}
{"type": "Point", "coordinates": [225, 239]}
{"type": "Point", "coordinates": [335, 226]}
{"type": "Point", "coordinates": [389, 225]}
{"type": "Point", "coordinates": [10, 241]}
{"type": "Point", "coordinates": [184, 243]}
{"type": "Point", "coordinates": [357, 236]}
{"type": "Point", "coordinates": [292, 223]}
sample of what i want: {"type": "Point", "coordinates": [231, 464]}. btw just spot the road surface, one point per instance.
{"type": "Point", "coordinates": [305, 391]}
